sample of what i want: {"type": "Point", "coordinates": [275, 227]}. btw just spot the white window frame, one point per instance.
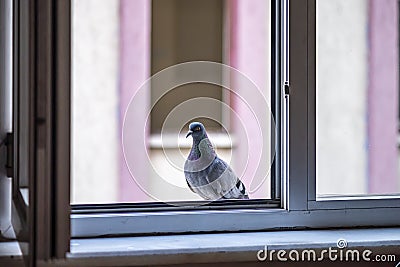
{"type": "Point", "coordinates": [299, 207]}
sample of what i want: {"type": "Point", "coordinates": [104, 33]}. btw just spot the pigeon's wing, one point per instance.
{"type": "Point", "coordinates": [205, 191]}
{"type": "Point", "coordinates": [217, 181]}
{"type": "Point", "coordinates": [224, 181]}
{"type": "Point", "coordinates": [198, 183]}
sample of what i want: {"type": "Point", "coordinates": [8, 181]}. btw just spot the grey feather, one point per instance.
{"type": "Point", "coordinates": [208, 175]}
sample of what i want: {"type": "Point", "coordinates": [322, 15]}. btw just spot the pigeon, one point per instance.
{"type": "Point", "coordinates": [206, 174]}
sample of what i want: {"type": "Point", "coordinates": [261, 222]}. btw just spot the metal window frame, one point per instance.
{"type": "Point", "coordinates": [299, 208]}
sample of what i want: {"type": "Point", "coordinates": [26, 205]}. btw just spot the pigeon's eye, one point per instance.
{"type": "Point", "coordinates": [197, 129]}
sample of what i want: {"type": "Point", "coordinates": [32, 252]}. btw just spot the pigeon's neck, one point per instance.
{"type": "Point", "coordinates": [195, 152]}
{"type": "Point", "coordinates": [201, 148]}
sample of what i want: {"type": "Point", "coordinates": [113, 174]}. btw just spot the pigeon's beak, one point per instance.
{"type": "Point", "coordinates": [189, 133]}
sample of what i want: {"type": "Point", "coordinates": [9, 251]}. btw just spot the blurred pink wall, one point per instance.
{"type": "Point", "coordinates": [249, 53]}
{"type": "Point", "coordinates": [383, 97]}
{"type": "Point", "coordinates": [135, 27]}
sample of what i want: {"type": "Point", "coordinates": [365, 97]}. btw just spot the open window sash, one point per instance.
{"type": "Point", "coordinates": [41, 119]}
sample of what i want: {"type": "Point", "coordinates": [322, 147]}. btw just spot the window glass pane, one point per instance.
{"type": "Point", "coordinates": [357, 97]}
{"type": "Point", "coordinates": [128, 138]}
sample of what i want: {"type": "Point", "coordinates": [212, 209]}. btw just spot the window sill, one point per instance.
{"type": "Point", "coordinates": [224, 247]}
{"type": "Point", "coordinates": [209, 248]}
{"type": "Point", "coordinates": [10, 254]}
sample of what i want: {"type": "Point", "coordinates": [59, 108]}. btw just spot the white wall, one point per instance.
{"type": "Point", "coordinates": [95, 110]}
{"type": "Point", "coordinates": [342, 66]}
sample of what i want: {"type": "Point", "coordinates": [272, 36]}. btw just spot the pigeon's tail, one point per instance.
{"type": "Point", "coordinates": [242, 189]}
{"type": "Point", "coordinates": [237, 192]}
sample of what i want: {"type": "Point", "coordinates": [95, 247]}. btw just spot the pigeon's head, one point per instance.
{"type": "Point", "coordinates": [197, 131]}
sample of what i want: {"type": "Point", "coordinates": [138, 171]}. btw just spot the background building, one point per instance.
{"type": "Point", "coordinates": [118, 44]}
